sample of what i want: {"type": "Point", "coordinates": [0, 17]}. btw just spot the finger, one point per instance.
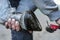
{"type": "Point", "coordinates": [17, 26]}
{"type": "Point", "coordinates": [6, 24]}
{"type": "Point", "coordinates": [9, 22]}
{"type": "Point", "coordinates": [13, 27]}
{"type": "Point", "coordinates": [13, 22]}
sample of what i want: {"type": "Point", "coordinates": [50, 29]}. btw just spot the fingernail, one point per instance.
{"type": "Point", "coordinates": [17, 23]}
{"type": "Point", "coordinates": [13, 20]}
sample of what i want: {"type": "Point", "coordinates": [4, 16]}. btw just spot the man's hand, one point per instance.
{"type": "Point", "coordinates": [13, 24]}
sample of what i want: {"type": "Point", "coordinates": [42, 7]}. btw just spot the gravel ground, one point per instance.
{"type": "Point", "coordinates": [5, 34]}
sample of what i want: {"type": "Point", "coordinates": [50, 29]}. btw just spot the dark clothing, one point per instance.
{"type": "Point", "coordinates": [21, 35]}
{"type": "Point", "coordinates": [14, 3]}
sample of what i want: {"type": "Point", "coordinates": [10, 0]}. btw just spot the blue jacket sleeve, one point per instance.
{"type": "Point", "coordinates": [48, 7]}
{"type": "Point", "coordinates": [4, 5]}
{"type": "Point", "coordinates": [5, 10]}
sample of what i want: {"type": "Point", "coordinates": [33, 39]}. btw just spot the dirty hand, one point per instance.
{"type": "Point", "coordinates": [13, 24]}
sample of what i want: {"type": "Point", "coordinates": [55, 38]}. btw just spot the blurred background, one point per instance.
{"type": "Point", "coordinates": [5, 34]}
